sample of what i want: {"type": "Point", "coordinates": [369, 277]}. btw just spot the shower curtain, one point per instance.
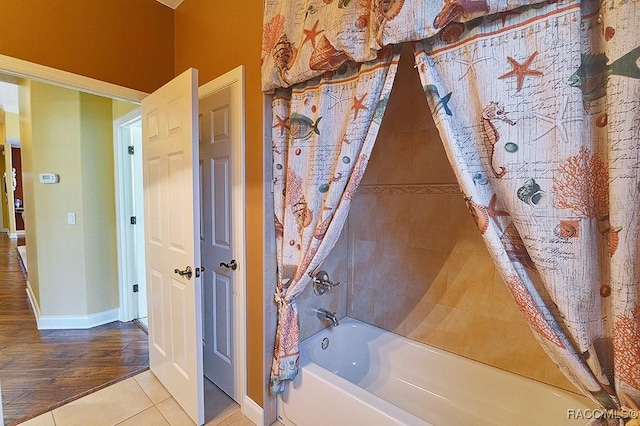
{"type": "Point", "coordinates": [323, 133]}
{"type": "Point", "coordinates": [539, 111]}
{"type": "Point", "coordinates": [537, 104]}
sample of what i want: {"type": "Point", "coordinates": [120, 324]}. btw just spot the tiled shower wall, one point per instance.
{"type": "Point", "coordinates": [417, 264]}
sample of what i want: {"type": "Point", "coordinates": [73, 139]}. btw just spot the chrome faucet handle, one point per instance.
{"type": "Point", "coordinates": [322, 283]}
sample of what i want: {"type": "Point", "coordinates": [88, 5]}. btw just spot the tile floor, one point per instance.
{"type": "Point", "coordinates": [140, 401]}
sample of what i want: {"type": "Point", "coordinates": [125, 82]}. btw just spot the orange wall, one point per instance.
{"type": "Point", "coordinates": [215, 37]}
{"type": "Point", "coordinates": [125, 42]}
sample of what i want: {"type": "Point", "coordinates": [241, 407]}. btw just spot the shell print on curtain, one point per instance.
{"type": "Point", "coordinates": [539, 112]}
{"type": "Point", "coordinates": [323, 134]}
{"type": "Point", "coordinates": [303, 39]}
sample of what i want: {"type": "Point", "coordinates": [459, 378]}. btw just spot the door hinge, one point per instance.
{"type": "Point", "coordinates": [135, 288]}
{"type": "Point", "coordinates": [133, 220]}
{"type": "Point", "coordinates": [130, 150]}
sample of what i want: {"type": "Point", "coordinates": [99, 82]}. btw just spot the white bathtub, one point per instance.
{"type": "Point", "coordinates": [368, 376]}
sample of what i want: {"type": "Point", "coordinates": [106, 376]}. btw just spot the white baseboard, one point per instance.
{"type": "Point", "coordinates": [33, 302]}
{"type": "Point", "coordinates": [15, 235]}
{"type": "Point", "coordinates": [252, 411]}
{"type": "Point", "coordinates": [60, 322]}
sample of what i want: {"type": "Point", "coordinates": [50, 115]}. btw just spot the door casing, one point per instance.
{"type": "Point", "coordinates": [125, 170]}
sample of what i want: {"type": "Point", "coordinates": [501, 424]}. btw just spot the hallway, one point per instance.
{"type": "Point", "coordinates": [44, 369]}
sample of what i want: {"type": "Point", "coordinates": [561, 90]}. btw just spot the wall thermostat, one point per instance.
{"type": "Point", "coordinates": [49, 178]}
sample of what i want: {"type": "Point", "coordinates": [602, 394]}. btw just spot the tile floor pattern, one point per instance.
{"type": "Point", "coordinates": [140, 401]}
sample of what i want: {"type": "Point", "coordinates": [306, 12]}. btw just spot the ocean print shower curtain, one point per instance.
{"type": "Point", "coordinates": [539, 111]}
{"type": "Point", "coordinates": [323, 134]}
{"type": "Point", "coordinates": [538, 106]}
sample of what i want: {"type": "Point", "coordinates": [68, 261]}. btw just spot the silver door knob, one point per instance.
{"type": "Point", "coordinates": [233, 265]}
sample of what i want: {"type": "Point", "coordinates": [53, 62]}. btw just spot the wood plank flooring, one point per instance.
{"type": "Point", "coordinates": [44, 369]}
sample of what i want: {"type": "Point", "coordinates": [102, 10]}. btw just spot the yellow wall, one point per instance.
{"type": "Point", "coordinates": [69, 134]}
{"type": "Point", "coordinates": [98, 202]}
{"type": "Point", "coordinates": [26, 146]}
{"type": "Point", "coordinates": [129, 43]}
{"type": "Point", "coordinates": [216, 37]}
{"type": "Point", "coordinates": [12, 125]}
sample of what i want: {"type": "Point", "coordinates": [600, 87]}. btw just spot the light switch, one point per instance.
{"type": "Point", "coordinates": [71, 218]}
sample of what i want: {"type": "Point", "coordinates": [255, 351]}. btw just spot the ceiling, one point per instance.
{"type": "Point", "coordinates": [171, 3]}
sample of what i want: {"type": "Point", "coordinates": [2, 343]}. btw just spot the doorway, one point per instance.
{"type": "Point", "coordinates": [127, 132]}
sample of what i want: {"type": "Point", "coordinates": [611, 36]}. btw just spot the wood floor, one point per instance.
{"type": "Point", "coordinates": [44, 369]}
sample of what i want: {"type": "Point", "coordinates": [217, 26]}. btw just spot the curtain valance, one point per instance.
{"type": "Point", "coordinates": [303, 39]}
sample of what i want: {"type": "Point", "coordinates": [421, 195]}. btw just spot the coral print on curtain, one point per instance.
{"type": "Point", "coordinates": [323, 133]}
{"type": "Point", "coordinates": [539, 111]}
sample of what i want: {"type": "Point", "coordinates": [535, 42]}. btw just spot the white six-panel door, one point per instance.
{"type": "Point", "coordinates": [170, 149]}
{"type": "Point", "coordinates": [216, 114]}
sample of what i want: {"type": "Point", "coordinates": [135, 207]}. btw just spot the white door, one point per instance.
{"type": "Point", "coordinates": [216, 115]}
{"type": "Point", "coordinates": [171, 214]}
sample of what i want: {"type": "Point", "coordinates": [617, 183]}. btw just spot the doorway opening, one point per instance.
{"type": "Point", "coordinates": [130, 218]}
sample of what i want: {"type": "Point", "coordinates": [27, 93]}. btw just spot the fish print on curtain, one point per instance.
{"type": "Point", "coordinates": [539, 111]}
{"type": "Point", "coordinates": [323, 134]}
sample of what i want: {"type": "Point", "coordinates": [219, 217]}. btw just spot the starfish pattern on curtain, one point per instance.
{"type": "Point", "coordinates": [323, 134]}
{"type": "Point", "coordinates": [546, 127]}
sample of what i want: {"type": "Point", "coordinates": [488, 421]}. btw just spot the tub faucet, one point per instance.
{"type": "Point", "coordinates": [323, 314]}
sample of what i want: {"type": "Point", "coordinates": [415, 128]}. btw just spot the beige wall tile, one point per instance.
{"type": "Point", "coordinates": [425, 323]}
{"type": "Point", "coordinates": [425, 275]}
{"type": "Point", "coordinates": [468, 334]}
{"type": "Point", "coordinates": [361, 303]}
{"type": "Point", "coordinates": [504, 308]}
{"type": "Point", "coordinates": [429, 162]}
{"type": "Point", "coordinates": [362, 215]}
{"type": "Point", "coordinates": [430, 224]}
{"type": "Point", "coordinates": [363, 259]}
{"type": "Point", "coordinates": [390, 309]}
{"type": "Point", "coordinates": [513, 348]}
{"type": "Point", "coordinates": [470, 284]}
{"type": "Point", "coordinates": [392, 219]}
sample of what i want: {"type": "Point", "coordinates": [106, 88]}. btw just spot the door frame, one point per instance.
{"type": "Point", "coordinates": [125, 232]}
{"type": "Point", "coordinates": [235, 79]}
{"type": "Point", "coordinates": [23, 69]}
